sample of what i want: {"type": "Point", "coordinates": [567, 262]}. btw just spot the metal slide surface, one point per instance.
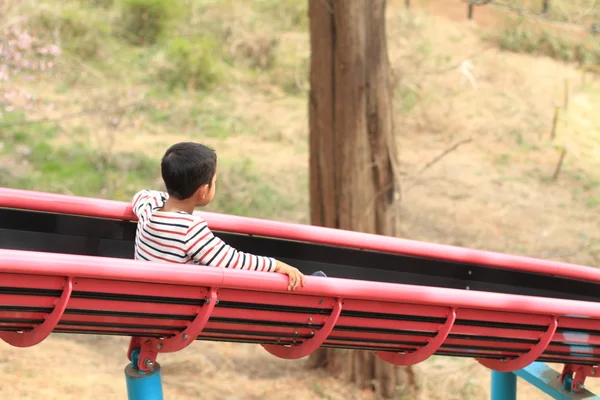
{"type": "Point", "coordinates": [76, 225]}
{"type": "Point", "coordinates": [65, 266]}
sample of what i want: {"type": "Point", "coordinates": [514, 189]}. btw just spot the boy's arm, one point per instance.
{"type": "Point", "coordinates": [207, 249]}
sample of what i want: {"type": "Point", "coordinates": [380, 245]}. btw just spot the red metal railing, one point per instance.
{"type": "Point", "coordinates": [165, 307]}
{"type": "Point", "coordinates": [56, 203]}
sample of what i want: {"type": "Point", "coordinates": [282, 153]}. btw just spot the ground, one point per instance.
{"type": "Point", "coordinates": [495, 191]}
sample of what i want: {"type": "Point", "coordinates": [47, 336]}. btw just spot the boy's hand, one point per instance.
{"type": "Point", "coordinates": [296, 277]}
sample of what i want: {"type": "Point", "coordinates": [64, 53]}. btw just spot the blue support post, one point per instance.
{"type": "Point", "coordinates": [143, 385]}
{"type": "Point", "coordinates": [504, 386]}
{"type": "Point", "coordinates": [548, 381]}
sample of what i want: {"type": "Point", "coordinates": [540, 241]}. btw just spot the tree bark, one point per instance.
{"type": "Point", "coordinates": [353, 157]}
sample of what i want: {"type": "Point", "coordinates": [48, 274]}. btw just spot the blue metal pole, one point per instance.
{"type": "Point", "coordinates": [143, 385]}
{"type": "Point", "coordinates": [504, 386]}
{"type": "Point", "coordinates": [548, 381]}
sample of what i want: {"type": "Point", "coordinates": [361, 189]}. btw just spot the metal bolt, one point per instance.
{"type": "Point", "coordinates": [159, 346]}
{"type": "Point", "coordinates": [185, 336]}
{"type": "Point", "coordinates": [207, 300]}
{"type": "Point", "coordinates": [579, 385]}
{"type": "Point", "coordinates": [295, 332]}
{"type": "Point", "coordinates": [470, 272]}
{"type": "Point", "coordinates": [148, 363]}
{"type": "Point", "coordinates": [593, 372]}
{"type": "Point", "coordinates": [312, 333]}
{"type": "Point", "coordinates": [320, 301]}
{"type": "Point", "coordinates": [309, 319]}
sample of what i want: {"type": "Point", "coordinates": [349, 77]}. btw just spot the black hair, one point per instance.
{"type": "Point", "coordinates": [186, 166]}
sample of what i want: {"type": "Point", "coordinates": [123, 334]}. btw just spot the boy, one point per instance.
{"type": "Point", "coordinates": [168, 230]}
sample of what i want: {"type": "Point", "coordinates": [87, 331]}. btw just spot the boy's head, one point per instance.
{"type": "Point", "coordinates": [189, 171]}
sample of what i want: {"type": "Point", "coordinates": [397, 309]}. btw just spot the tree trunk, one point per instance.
{"type": "Point", "coordinates": [352, 149]}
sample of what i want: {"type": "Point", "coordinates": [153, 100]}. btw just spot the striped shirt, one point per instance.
{"type": "Point", "coordinates": [183, 238]}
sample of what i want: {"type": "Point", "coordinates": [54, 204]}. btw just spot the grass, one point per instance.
{"type": "Point", "coordinates": [85, 171]}
{"type": "Point", "coordinates": [563, 33]}
{"type": "Point", "coordinates": [524, 38]}
{"type": "Point", "coordinates": [77, 170]}
{"type": "Point", "coordinates": [175, 56]}
{"type": "Point", "coordinates": [244, 191]}
{"type": "Point", "coordinates": [569, 11]}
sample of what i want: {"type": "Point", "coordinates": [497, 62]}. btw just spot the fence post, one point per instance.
{"type": "Point", "coordinates": [545, 6]}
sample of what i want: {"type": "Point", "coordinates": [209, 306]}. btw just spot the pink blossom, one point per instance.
{"type": "Point", "coordinates": [22, 52]}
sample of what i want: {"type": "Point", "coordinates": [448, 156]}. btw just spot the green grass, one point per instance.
{"type": "Point", "coordinates": [241, 190]}
{"type": "Point", "coordinates": [592, 203]}
{"type": "Point", "coordinates": [183, 54]}
{"type": "Point", "coordinates": [77, 170]}
{"type": "Point", "coordinates": [521, 35]}
{"type": "Point", "coordinates": [83, 171]}
{"type": "Point", "coordinates": [177, 44]}
{"type": "Point", "coordinates": [182, 62]}
{"type": "Point", "coordinates": [81, 33]}
{"type": "Point", "coordinates": [37, 162]}
{"type": "Point", "coordinates": [571, 11]}
{"type": "Point", "coordinates": [548, 43]}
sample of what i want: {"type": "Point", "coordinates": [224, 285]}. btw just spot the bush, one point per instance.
{"type": "Point", "coordinates": [146, 20]}
{"type": "Point", "coordinates": [191, 64]}
{"type": "Point", "coordinates": [80, 34]}
{"type": "Point", "coordinates": [557, 45]}
{"type": "Point", "coordinates": [255, 50]}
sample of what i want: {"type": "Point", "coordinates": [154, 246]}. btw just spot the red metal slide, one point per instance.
{"type": "Point", "coordinates": [66, 267]}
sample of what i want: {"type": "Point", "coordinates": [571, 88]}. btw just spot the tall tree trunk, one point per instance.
{"type": "Point", "coordinates": [352, 149]}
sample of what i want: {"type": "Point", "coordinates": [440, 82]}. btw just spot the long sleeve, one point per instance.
{"type": "Point", "coordinates": [207, 249]}
{"type": "Point", "coordinates": [143, 197]}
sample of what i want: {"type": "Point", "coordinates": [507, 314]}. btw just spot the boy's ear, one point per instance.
{"type": "Point", "coordinates": [203, 191]}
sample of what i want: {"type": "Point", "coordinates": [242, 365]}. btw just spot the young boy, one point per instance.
{"type": "Point", "coordinates": [168, 230]}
